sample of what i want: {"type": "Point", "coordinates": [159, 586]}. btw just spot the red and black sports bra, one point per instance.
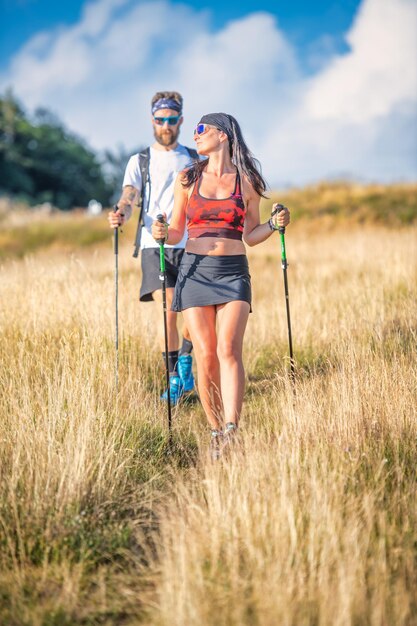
{"type": "Point", "coordinates": [211, 217]}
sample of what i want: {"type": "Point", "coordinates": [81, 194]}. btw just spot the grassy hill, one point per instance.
{"type": "Point", "coordinates": [311, 522]}
{"type": "Point", "coordinates": [392, 205]}
{"type": "Point", "coordinates": [325, 205]}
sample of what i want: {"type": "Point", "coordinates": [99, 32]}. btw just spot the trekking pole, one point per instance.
{"type": "Point", "coordinates": [284, 265]}
{"type": "Point", "coordinates": [162, 278]}
{"type": "Point", "coordinates": [116, 290]}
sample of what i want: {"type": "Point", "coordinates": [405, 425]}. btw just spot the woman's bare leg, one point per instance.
{"type": "Point", "coordinates": [232, 318]}
{"type": "Point", "coordinates": [201, 323]}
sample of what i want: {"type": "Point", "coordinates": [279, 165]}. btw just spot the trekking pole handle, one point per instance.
{"type": "Point", "coordinates": [280, 207]}
{"type": "Point", "coordinates": [160, 218]}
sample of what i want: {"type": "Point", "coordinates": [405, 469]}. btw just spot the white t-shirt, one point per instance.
{"type": "Point", "coordinates": [164, 166]}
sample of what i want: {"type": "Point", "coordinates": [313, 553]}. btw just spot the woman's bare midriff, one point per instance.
{"type": "Point", "coordinates": [215, 246]}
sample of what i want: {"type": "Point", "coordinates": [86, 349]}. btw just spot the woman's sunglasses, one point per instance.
{"type": "Point", "coordinates": [172, 120]}
{"type": "Point", "coordinates": [200, 129]}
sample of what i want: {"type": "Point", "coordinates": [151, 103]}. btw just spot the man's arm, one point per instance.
{"type": "Point", "coordinates": [124, 207]}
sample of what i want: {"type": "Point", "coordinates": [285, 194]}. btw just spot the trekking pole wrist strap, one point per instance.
{"type": "Point", "coordinates": [166, 232]}
{"type": "Point", "coordinates": [271, 225]}
{"type": "Point", "coordinates": [117, 208]}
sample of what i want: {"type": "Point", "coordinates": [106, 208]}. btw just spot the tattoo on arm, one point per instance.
{"type": "Point", "coordinates": [126, 200]}
{"type": "Point", "coordinates": [129, 193]}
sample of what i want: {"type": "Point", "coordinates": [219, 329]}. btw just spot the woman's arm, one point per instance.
{"type": "Point", "coordinates": [254, 232]}
{"type": "Point", "coordinates": [175, 231]}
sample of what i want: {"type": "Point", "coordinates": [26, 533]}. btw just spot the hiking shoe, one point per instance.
{"type": "Point", "coordinates": [176, 390]}
{"type": "Point", "coordinates": [185, 371]}
{"type": "Point", "coordinates": [215, 444]}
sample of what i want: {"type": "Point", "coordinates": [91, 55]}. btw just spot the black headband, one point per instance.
{"type": "Point", "coordinates": [222, 121]}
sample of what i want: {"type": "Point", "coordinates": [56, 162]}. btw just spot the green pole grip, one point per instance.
{"type": "Point", "coordinates": [161, 258]}
{"type": "Point", "coordinates": [284, 263]}
{"type": "Point", "coordinates": [161, 242]}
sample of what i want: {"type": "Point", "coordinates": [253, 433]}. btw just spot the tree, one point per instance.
{"type": "Point", "coordinates": [40, 160]}
{"type": "Point", "coordinates": [115, 165]}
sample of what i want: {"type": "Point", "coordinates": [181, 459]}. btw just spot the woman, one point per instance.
{"type": "Point", "coordinates": [218, 201]}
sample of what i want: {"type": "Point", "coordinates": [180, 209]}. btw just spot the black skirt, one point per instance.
{"type": "Point", "coordinates": [205, 280]}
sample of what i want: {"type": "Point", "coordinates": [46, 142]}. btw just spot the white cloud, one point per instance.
{"type": "Point", "coordinates": [380, 70]}
{"type": "Point", "coordinates": [358, 116]}
{"type": "Point", "coordinates": [354, 116]}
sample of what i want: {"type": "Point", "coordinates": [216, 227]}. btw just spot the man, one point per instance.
{"type": "Point", "coordinates": [150, 176]}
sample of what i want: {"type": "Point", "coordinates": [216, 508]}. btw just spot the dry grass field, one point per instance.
{"type": "Point", "coordinates": [312, 521]}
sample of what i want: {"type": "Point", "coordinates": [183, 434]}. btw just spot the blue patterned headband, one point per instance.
{"type": "Point", "coordinates": [166, 103]}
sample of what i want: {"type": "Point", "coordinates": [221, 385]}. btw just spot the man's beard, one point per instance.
{"type": "Point", "coordinates": [167, 137]}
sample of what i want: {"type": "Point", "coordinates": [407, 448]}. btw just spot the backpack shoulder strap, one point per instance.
{"type": "Point", "coordinates": [144, 160]}
{"type": "Point", "coordinates": [193, 154]}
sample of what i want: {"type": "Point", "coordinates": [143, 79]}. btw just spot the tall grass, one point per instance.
{"type": "Point", "coordinates": [310, 521]}
{"type": "Point", "coordinates": [345, 202]}
{"type": "Point", "coordinates": [313, 520]}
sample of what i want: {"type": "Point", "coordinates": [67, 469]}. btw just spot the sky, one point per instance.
{"type": "Point", "coordinates": [322, 90]}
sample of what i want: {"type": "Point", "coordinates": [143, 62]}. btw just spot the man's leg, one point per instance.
{"type": "Point", "coordinates": [172, 331]}
{"type": "Point", "coordinates": [176, 385]}
{"type": "Point", "coordinates": [185, 360]}
{"type": "Point", "coordinates": [187, 344]}
{"type": "Point", "coordinates": [173, 337]}
{"type": "Point", "coordinates": [180, 360]}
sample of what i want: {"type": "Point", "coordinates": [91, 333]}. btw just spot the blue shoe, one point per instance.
{"type": "Point", "coordinates": [176, 390]}
{"type": "Point", "coordinates": [185, 371]}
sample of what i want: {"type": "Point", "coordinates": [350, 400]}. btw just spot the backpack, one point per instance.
{"type": "Point", "coordinates": [144, 159]}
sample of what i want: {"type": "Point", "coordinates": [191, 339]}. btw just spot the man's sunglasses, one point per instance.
{"type": "Point", "coordinates": [172, 120]}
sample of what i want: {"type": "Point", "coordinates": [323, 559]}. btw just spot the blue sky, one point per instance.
{"type": "Point", "coordinates": [306, 22]}
{"type": "Point", "coordinates": [322, 89]}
